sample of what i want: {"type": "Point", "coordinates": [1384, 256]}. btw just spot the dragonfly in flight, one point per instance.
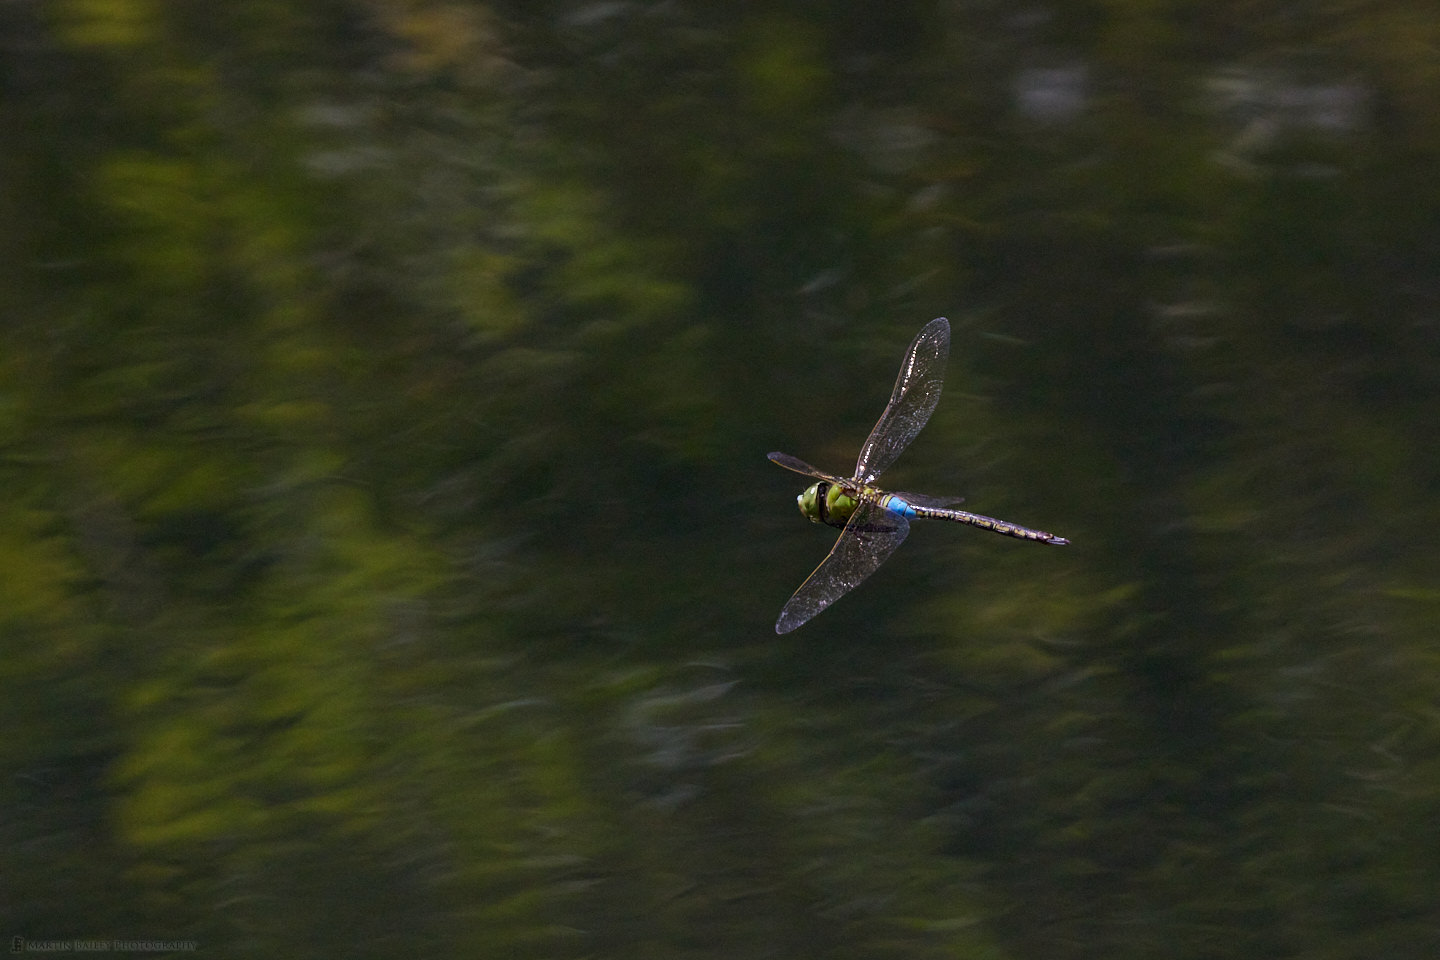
{"type": "Point", "coordinates": [873, 521]}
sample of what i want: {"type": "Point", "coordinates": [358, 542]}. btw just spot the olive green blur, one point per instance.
{"type": "Point", "coordinates": [389, 553]}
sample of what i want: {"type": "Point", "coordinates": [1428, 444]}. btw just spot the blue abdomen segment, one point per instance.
{"type": "Point", "coordinates": [896, 505]}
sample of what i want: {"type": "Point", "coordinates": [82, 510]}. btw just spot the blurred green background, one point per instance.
{"type": "Point", "coordinates": [389, 557]}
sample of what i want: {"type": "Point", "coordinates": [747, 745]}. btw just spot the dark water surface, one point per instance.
{"type": "Point", "coordinates": [389, 558]}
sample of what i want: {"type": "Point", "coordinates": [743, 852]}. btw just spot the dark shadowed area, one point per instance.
{"type": "Point", "coordinates": [389, 557]}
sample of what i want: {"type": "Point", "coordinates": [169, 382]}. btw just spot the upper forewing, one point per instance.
{"type": "Point", "coordinates": [917, 391]}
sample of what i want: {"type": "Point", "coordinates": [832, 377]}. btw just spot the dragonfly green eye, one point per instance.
{"type": "Point", "coordinates": [809, 502]}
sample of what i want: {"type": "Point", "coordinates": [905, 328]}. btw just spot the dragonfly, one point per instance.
{"type": "Point", "coordinates": [874, 522]}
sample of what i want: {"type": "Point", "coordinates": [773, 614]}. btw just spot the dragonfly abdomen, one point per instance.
{"type": "Point", "coordinates": [1002, 527]}
{"type": "Point", "coordinates": [900, 506]}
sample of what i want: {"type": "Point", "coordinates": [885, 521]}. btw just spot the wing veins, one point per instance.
{"type": "Point", "coordinates": [916, 393]}
{"type": "Point", "coordinates": [872, 534]}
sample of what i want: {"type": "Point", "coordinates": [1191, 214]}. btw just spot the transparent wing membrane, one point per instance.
{"type": "Point", "coordinates": [917, 391]}
{"type": "Point", "coordinates": [867, 541]}
{"type": "Point", "coordinates": [801, 467]}
{"type": "Point", "coordinates": [931, 503]}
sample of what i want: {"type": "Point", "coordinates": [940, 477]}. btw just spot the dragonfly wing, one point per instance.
{"type": "Point", "coordinates": [917, 391]}
{"type": "Point", "coordinates": [800, 466]}
{"type": "Point", "coordinates": [921, 500]}
{"type": "Point", "coordinates": [868, 539]}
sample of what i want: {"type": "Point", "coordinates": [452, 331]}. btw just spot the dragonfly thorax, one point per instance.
{"type": "Point", "coordinates": [826, 503]}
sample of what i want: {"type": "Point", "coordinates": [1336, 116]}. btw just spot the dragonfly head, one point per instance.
{"type": "Point", "coordinates": [826, 503]}
{"type": "Point", "coordinates": [809, 502]}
